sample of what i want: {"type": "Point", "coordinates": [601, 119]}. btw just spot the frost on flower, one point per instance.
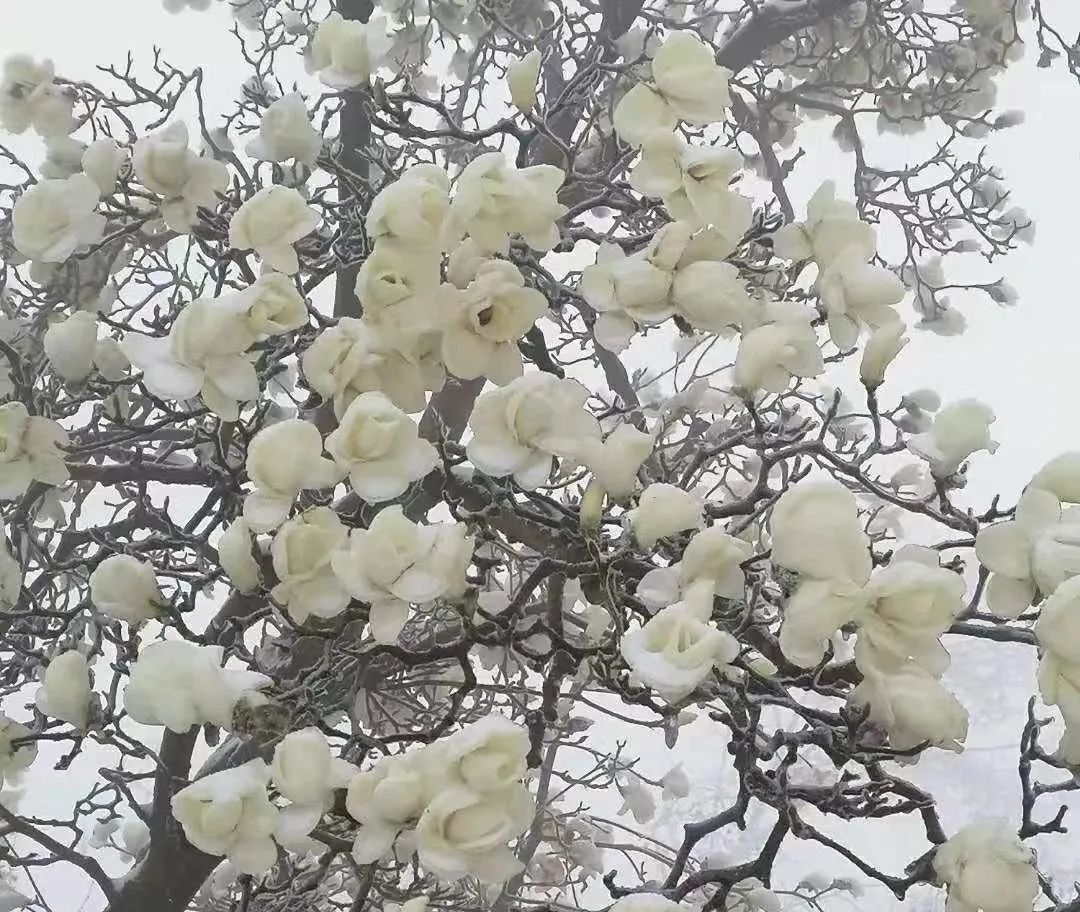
{"type": "Point", "coordinates": [987, 868]}
{"type": "Point", "coordinates": [523, 427]}
{"type": "Point", "coordinates": [184, 179]}
{"type": "Point", "coordinates": [125, 588]}
{"type": "Point", "coordinates": [662, 510]}
{"type": "Point", "coordinates": [816, 532]}
{"type": "Point", "coordinates": [29, 451]}
{"type": "Point", "coordinates": [65, 689]}
{"type": "Point", "coordinates": [270, 223]}
{"type": "Point", "coordinates": [230, 813]}
{"type": "Point", "coordinates": [687, 84]}
{"type": "Point", "coordinates": [14, 760]}
{"type": "Point", "coordinates": [179, 684]}
{"type": "Point", "coordinates": [493, 312]}
{"type": "Point", "coordinates": [54, 218]}
{"type": "Point", "coordinates": [1058, 633]}
{"type": "Point", "coordinates": [345, 52]}
{"type": "Point", "coordinates": [395, 563]}
{"type": "Point", "coordinates": [959, 430]}
{"type": "Point", "coordinates": [301, 551]}
{"type": "Point", "coordinates": [913, 707]}
{"type": "Point", "coordinates": [283, 460]}
{"type": "Point", "coordinates": [30, 98]}
{"type": "Point", "coordinates": [286, 133]}
{"type": "Point", "coordinates": [494, 200]}
{"type": "Point", "coordinates": [712, 557]}
{"type": "Point", "coordinates": [379, 446]}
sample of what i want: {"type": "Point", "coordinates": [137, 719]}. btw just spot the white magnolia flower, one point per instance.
{"type": "Point", "coordinates": [204, 354]}
{"type": "Point", "coordinates": [179, 684]}
{"type": "Point", "coordinates": [14, 760]}
{"type": "Point", "coordinates": [70, 345]}
{"type": "Point", "coordinates": [645, 902]}
{"type": "Point", "coordinates": [286, 133]}
{"type": "Point", "coordinates": [637, 799]}
{"type": "Point", "coordinates": [65, 690]}
{"type": "Point", "coordinates": [751, 895]}
{"type": "Point", "coordinates": [626, 292]}
{"type": "Point", "coordinates": [884, 344]}
{"type": "Point", "coordinates": [1061, 477]}
{"type": "Point", "coordinates": [63, 157]}
{"type": "Point", "coordinates": [711, 296]}
{"type": "Point", "coordinates": [184, 179]}
{"type": "Point", "coordinates": [614, 462]}
{"type": "Point", "coordinates": [395, 563]}
{"type": "Point", "coordinates": [379, 446]}
{"type": "Point", "coordinates": [345, 52]}
{"type": "Point", "coordinates": [235, 557]}
{"type": "Point", "coordinates": [463, 833]}
{"type": "Point", "coordinates": [813, 614]}
{"type": "Point", "coordinates": [678, 648]}
{"type": "Point", "coordinates": [694, 183]}
{"type": "Point", "coordinates": [1058, 633]}
{"type": "Point", "coordinates": [523, 427]}
{"type": "Point", "coordinates": [413, 209]}
{"type": "Point", "coordinates": [54, 218]}
{"type": "Point", "coordinates": [301, 552]}
{"type": "Point", "coordinates": [385, 800]}
{"type": "Point", "coordinates": [987, 868]}
{"type": "Point", "coordinates": [771, 354]}
{"type": "Point", "coordinates": [687, 84]}
{"type": "Point", "coordinates": [495, 200]}
{"type": "Point", "coordinates": [273, 305]}
{"type": "Point", "coordinates": [11, 575]}
{"type": "Point", "coordinates": [270, 223]}
{"type": "Point", "coordinates": [125, 588]}
{"type": "Point", "coordinates": [675, 783]}
{"type": "Point", "coordinates": [488, 755]}
{"type": "Point", "coordinates": [913, 707]}
{"type": "Point", "coordinates": [229, 813]}
{"type": "Point", "coordinates": [832, 227]}
{"type": "Point", "coordinates": [101, 162]}
{"type": "Point", "coordinates": [521, 77]}
{"type": "Point", "coordinates": [283, 460]}
{"type": "Point", "coordinates": [491, 315]}
{"type": "Point", "coordinates": [29, 451]}
{"type": "Point", "coordinates": [856, 293]}
{"type": "Point", "coordinates": [662, 510]}
{"type": "Point", "coordinates": [816, 532]}
{"type": "Point", "coordinates": [352, 358]}
{"type": "Point", "coordinates": [134, 836]}
{"type": "Point", "coordinates": [712, 556]}
{"type": "Point", "coordinates": [305, 771]}
{"type": "Point", "coordinates": [29, 98]}
{"type": "Point", "coordinates": [959, 429]}
{"type": "Point", "coordinates": [398, 287]}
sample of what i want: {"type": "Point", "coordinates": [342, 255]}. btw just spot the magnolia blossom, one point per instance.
{"type": "Point", "coordinates": [398, 287]}
{"type": "Point", "coordinates": [771, 354]}
{"type": "Point", "coordinates": [63, 157]}
{"type": "Point", "coordinates": [913, 707]}
{"type": "Point", "coordinates": [678, 648]}
{"type": "Point", "coordinates": [884, 344]}
{"type": "Point", "coordinates": [272, 305]}
{"type": "Point", "coordinates": [492, 314]}
{"type": "Point", "coordinates": [813, 614]}
{"type": "Point", "coordinates": [385, 799]}
{"type": "Point", "coordinates": [464, 833]}
{"type": "Point", "coordinates": [521, 428]}
{"type": "Point", "coordinates": [11, 575]}
{"type": "Point", "coordinates": [1061, 477]}
{"type": "Point", "coordinates": [712, 557]}
{"type": "Point", "coordinates": [304, 770]}
{"type": "Point", "coordinates": [959, 429]}
{"type": "Point", "coordinates": [54, 218]}
{"type": "Point", "coordinates": [987, 868]}
{"type": "Point", "coordinates": [101, 162]}
{"type": "Point", "coordinates": [179, 684]}
{"type": "Point", "coordinates": [29, 98]}
{"type": "Point", "coordinates": [395, 563]}
{"type": "Point", "coordinates": [71, 344]}
{"type": "Point", "coordinates": [663, 510]}
{"type": "Point", "coordinates": [495, 200]}
{"type": "Point", "coordinates": [65, 690]}
{"type": "Point", "coordinates": [626, 291]}
{"type": "Point", "coordinates": [614, 461]}
{"type": "Point", "coordinates": [521, 78]}
{"type": "Point", "coordinates": [751, 895]}
{"type": "Point", "coordinates": [301, 552]}
{"type": "Point", "coordinates": [14, 760]}
{"type": "Point", "coordinates": [413, 209]}
{"type": "Point", "coordinates": [1058, 633]}
{"type": "Point", "coordinates": [345, 52]}
{"type": "Point", "coordinates": [126, 589]}
{"type": "Point", "coordinates": [283, 460]}
{"type": "Point", "coordinates": [857, 293]}
{"type": "Point", "coordinates": [675, 783]}
{"type": "Point", "coordinates": [487, 756]}
{"type": "Point", "coordinates": [165, 165]}
{"type": "Point", "coordinates": [234, 555]}
{"type": "Point", "coordinates": [379, 446]}
{"type": "Point", "coordinates": [270, 223]}
{"type": "Point", "coordinates": [286, 132]}
{"type": "Point", "coordinates": [354, 357]}
{"type": "Point", "coordinates": [832, 228]}
{"type": "Point", "coordinates": [29, 451]}
{"type": "Point", "coordinates": [816, 532]}
{"type": "Point", "coordinates": [229, 813]}
{"type": "Point", "coordinates": [204, 354]}
{"type": "Point", "coordinates": [687, 84]}
{"type": "Point", "coordinates": [645, 902]}
{"type": "Point", "coordinates": [694, 183]}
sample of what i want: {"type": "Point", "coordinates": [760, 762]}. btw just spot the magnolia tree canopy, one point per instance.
{"type": "Point", "coordinates": [395, 467]}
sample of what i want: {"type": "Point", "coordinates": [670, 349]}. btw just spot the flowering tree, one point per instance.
{"type": "Point", "coordinates": [342, 532]}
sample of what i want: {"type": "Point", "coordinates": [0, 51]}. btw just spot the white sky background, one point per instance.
{"type": "Point", "coordinates": [1024, 362]}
